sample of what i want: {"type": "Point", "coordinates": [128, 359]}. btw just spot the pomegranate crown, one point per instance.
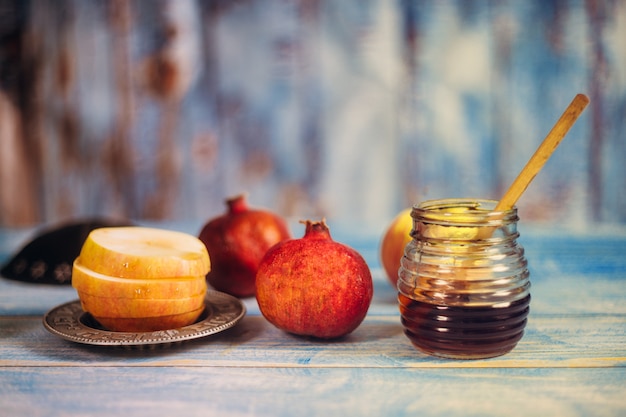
{"type": "Point", "coordinates": [316, 229]}
{"type": "Point", "coordinates": [238, 203]}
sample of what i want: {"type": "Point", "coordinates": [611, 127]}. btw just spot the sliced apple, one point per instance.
{"type": "Point", "coordinates": [150, 324]}
{"type": "Point", "coordinates": [145, 253]}
{"type": "Point", "coordinates": [138, 308]}
{"type": "Point", "coordinates": [86, 281]}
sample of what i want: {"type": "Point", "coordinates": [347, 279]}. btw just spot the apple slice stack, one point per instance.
{"type": "Point", "coordinates": [138, 279]}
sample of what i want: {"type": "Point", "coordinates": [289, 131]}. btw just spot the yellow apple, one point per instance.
{"type": "Point", "coordinates": [150, 324]}
{"type": "Point", "coordinates": [392, 245]}
{"type": "Point", "coordinates": [87, 281]}
{"type": "Point", "coordinates": [141, 279]}
{"type": "Point", "coordinates": [143, 252]}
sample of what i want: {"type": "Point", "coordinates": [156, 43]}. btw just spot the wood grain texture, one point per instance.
{"type": "Point", "coordinates": [207, 391]}
{"type": "Point", "coordinates": [571, 361]}
{"type": "Point", "coordinates": [549, 342]}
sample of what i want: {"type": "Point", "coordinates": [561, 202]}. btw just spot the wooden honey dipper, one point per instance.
{"type": "Point", "coordinates": [539, 158]}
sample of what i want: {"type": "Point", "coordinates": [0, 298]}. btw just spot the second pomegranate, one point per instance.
{"type": "Point", "coordinates": [314, 286]}
{"type": "Point", "coordinates": [237, 241]}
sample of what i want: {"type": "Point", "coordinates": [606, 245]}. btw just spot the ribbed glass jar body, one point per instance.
{"type": "Point", "coordinates": [463, 287]}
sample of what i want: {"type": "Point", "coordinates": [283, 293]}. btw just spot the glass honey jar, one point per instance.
{"type": "Point", "coordinates": [463, 287]}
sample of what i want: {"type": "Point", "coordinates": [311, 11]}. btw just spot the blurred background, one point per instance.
{"type": "Point", "coordinates": [352, 110]}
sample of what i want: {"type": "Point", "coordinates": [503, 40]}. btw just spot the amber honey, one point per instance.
{"type": "Point", "coordinates": [464, 332]}
{"type": "Point", "coordinates": [463, 285]}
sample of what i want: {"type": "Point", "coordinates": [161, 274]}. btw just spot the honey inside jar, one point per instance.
{"type": "Point", "coordinates": [463, 283]}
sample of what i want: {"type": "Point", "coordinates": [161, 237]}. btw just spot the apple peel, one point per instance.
{"type": "Point", "coordinates": [392, 245]}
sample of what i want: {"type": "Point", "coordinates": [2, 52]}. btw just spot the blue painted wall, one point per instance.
{"type": "Point", "coordinates": [350, 110]}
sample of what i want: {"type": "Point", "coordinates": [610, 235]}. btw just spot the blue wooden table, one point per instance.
{"type": "Point", "coordinates": [571, 361]}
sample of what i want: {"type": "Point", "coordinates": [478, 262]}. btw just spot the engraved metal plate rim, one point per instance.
{"type": "Point", "coordinates": [223, 312]}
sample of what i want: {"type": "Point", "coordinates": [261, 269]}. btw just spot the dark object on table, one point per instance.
{"type": "Point", "coordinates": [48, 257]}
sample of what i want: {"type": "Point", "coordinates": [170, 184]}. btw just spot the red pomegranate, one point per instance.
{"type": "Point", "coordinates": [314, 286]}
{"type": "Point", "coordinates": [236, 242]}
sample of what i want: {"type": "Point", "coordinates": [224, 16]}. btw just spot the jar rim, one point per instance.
{"type": "Point", "coordinates": [474, 210]}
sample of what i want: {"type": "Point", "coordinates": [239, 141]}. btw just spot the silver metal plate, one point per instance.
{"type": "Point", "coordinates": [70, 322]}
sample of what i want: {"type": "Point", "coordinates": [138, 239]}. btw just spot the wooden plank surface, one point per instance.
{"type": "Point", "coordinates": [571, 361]}
{"type": "Point", "coordinates": [209, 391]}
{"type": "Point", "coordinates": [550, 342]}
{"type": "Point", "coordinates": [570, 273]}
